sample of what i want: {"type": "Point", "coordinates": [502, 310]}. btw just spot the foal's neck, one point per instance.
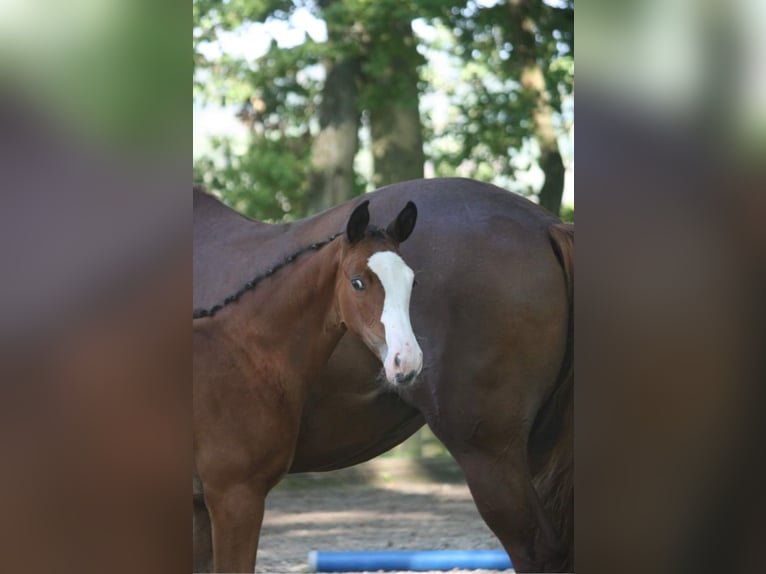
{"type": "Point", "coordinates": [295, 310]}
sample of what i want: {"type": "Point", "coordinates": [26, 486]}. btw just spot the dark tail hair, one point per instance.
{"type": "Point", "coordinates": [552, 436]}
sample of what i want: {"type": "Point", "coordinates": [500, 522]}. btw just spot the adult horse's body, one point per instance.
{"type": "Point", "coordinates": [492, 311]}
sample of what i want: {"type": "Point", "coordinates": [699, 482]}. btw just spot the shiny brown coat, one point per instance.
{"type": "Point", "coordinates": [493, 314]}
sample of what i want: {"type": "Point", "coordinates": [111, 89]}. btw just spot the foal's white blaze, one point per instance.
{"type": "Point", "coordinates": [403, 357]}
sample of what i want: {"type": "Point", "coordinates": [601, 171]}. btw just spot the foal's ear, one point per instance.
{"type": "Point", "coordinates": [357, 223]}
{"type": "Point", "coordinates": [401, 227]}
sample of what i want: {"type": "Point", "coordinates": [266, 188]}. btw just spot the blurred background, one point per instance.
{"type": "Point", "coordinates": [671, 250]}
{"type": "Point", "coordinates": [300, 105]}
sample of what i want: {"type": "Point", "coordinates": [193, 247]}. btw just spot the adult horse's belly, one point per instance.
{"type": "Point", "coordinates": [349, 416]}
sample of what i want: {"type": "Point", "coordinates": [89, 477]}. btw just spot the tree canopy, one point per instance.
{"type": "Point", "coordinates": [473, 88]}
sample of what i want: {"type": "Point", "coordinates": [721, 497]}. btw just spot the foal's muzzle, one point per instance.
{"type": "Point", "coordinates": [402, 379]}
{"type": "Point", "coordinates": [404, 366]}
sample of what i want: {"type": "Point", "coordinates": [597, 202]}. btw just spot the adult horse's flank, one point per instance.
{"type": "Point", "coordinates": [257, 353]}
{"type": "Point", "coordinates": [493, 313]}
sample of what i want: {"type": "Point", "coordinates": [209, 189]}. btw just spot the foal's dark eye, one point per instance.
{"type": "Point", "coordinates": [357, 284]}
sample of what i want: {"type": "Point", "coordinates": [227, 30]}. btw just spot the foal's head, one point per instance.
{"type": "Point", "coordinates": [373, 291]}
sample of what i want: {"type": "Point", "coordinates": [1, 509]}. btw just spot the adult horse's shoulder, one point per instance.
{"type": "Point", "coordinates": [225, 243]}
{"type": "Point", "coordinates": [203, 197]}
{"type": "Point", "coordinates": [230, 248]}
{"type": "Point", "coordinates": [208, 206]}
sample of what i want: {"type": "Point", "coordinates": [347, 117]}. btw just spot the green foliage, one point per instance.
{"type": "Point", "coordinates": [567, 213]}
{"type": "Point", "coordinates": [265, 177]}
{"type": "Point", "coordinates": [489, 127]}
{"type": "Point", "coordinates": [491, 114]}
{"type": "Point", "coordinates": [266, 181]}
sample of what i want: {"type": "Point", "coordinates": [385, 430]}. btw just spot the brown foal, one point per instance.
{"type": "Point", "coordinates": [257, 354]}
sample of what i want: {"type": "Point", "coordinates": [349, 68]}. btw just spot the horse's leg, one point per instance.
{"type": "Point", "coordinates": [501, 487]}
{"type": "Point", "coordinates": [486, 426]}
{"type": "Point", "coordinates": [202, 537]}
{"type": "Point", "coordinates": [244, 441]}
{"type": "Point", "coordinates": [236, 480]}
{"type": "Point", "coordinates": [236, 513]}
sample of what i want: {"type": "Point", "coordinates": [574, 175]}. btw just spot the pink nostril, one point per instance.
{"type": "Point", "coordinates": [397, 360]}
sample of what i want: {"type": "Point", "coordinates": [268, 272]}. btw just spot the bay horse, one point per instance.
{"type": "Point", "coordinates": [258, 351]}
{"type": "Point", "coordinates": [493, 311]}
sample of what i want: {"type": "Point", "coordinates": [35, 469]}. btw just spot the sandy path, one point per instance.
{"type": "Point", "coordinates": [398, 511]}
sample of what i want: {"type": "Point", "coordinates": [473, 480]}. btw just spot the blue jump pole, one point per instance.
{"type": "Point", "coordinates": [417, 560]}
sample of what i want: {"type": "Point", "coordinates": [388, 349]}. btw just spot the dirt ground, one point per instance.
{"type": "Point", "coordinates": [388, 504]}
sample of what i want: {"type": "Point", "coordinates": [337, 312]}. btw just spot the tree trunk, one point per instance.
{"type": "Point", "coordinates": [532, 81]}
{"type": "Point", "coordinates": [331, 180]}
{"type": "Point", "coordinates": [397, 137]}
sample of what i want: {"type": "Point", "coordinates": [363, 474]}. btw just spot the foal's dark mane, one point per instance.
{"type": "Point", "coordinates": [250, 285]}
{"type": "Point", "coordinates": [371, 232]}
